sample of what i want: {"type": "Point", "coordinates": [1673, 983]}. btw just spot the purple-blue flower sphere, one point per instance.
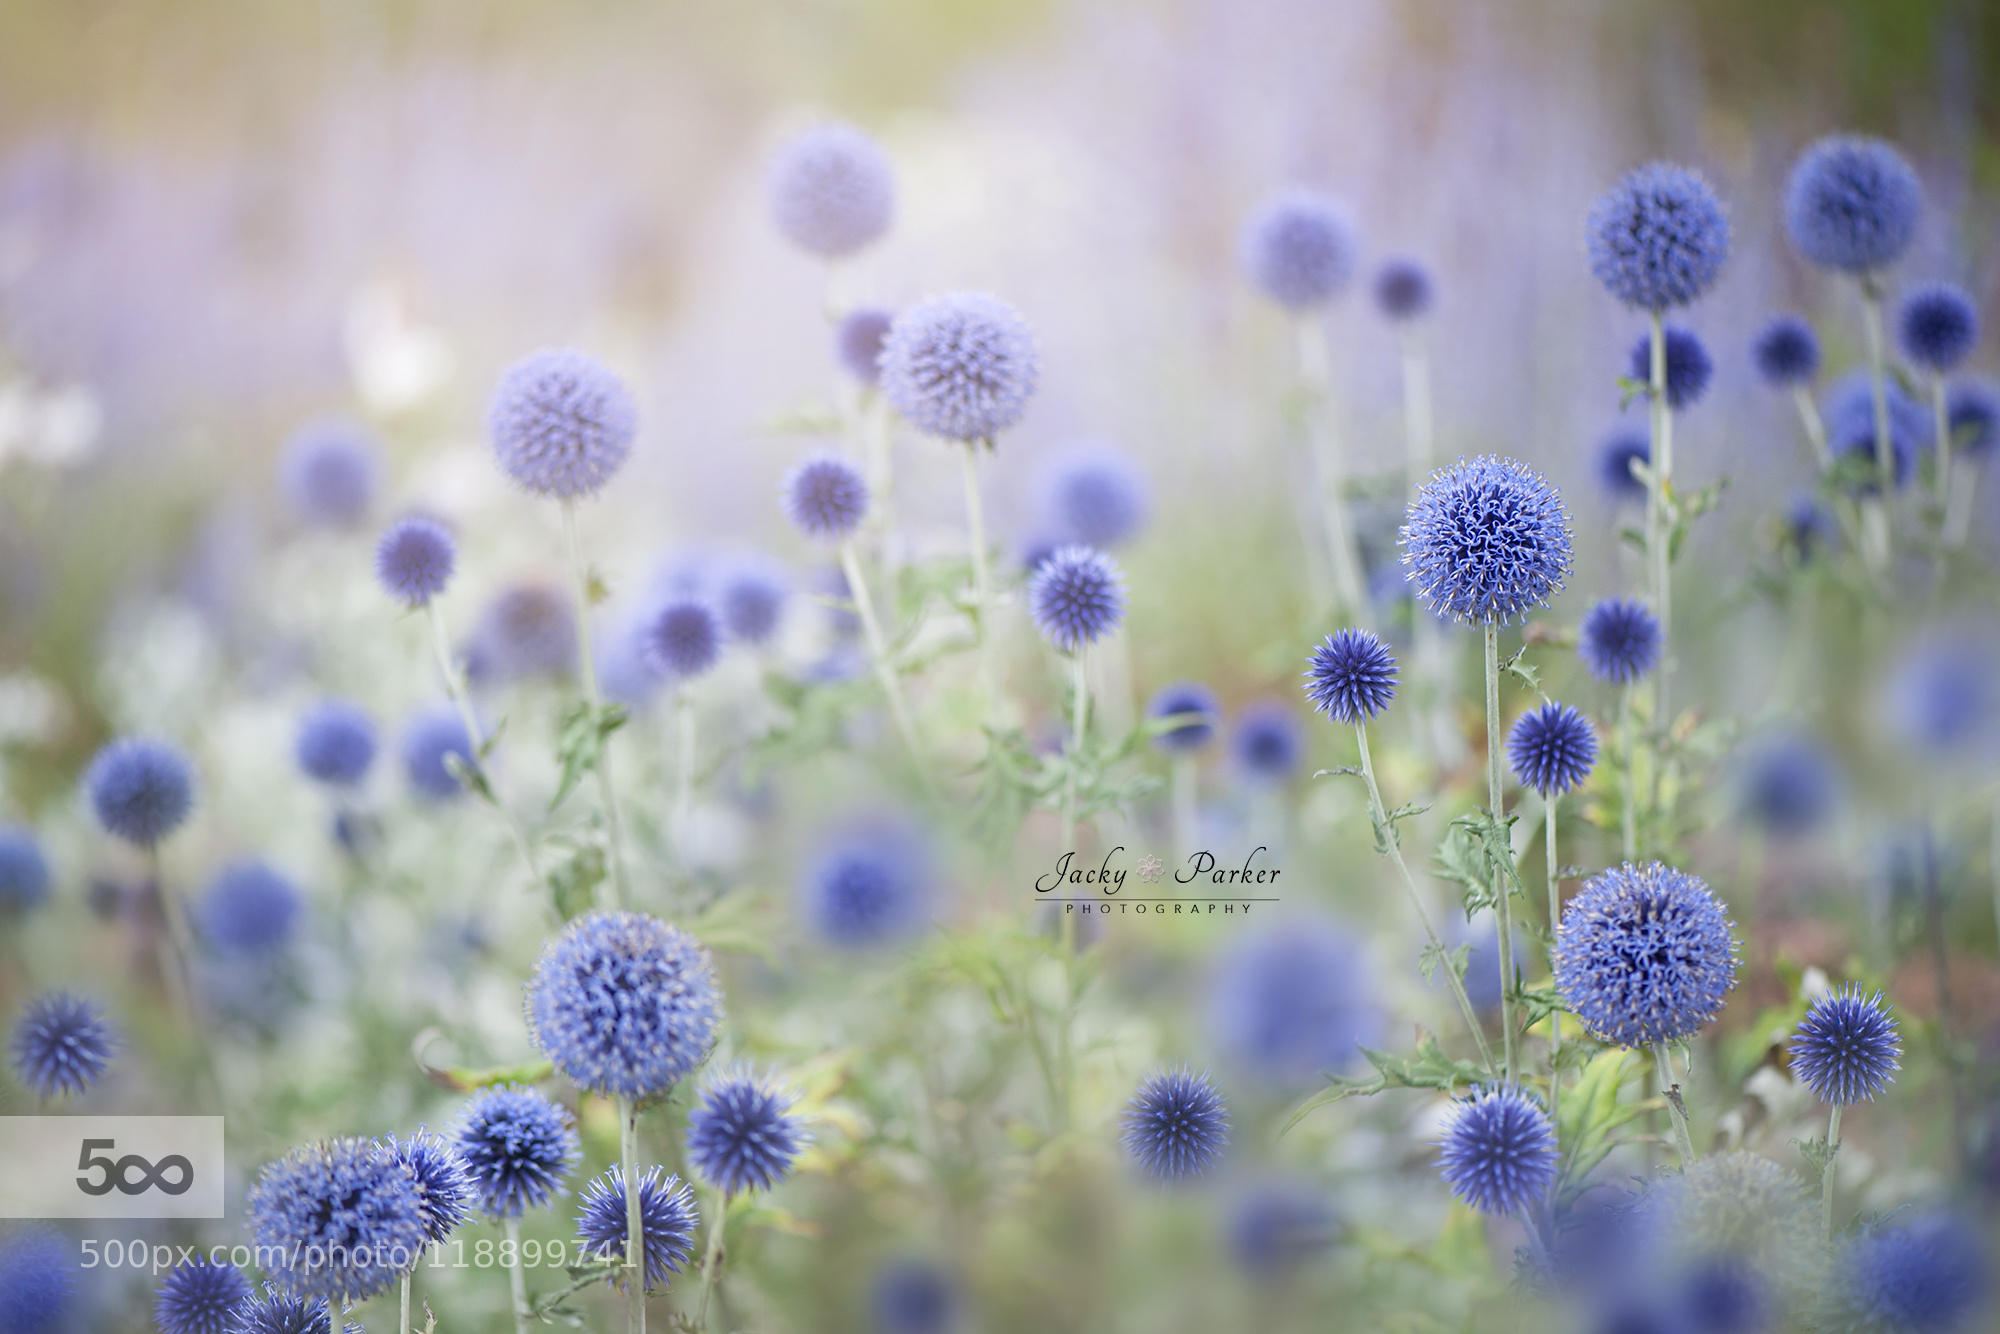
{"type": "Point", "coordinates": [414, 559]}
{"type": "Point", "coordinates": [752, 599]}
{"type": "Point", "coordinates": [742, 1135]}
{"type": "Point", "coordinates": [961, 366]}
{"type": "Point", "coordinates": [1552, 748]}
{"type": "Point", "coordinates": [1657, 238]}
{"type": "Point", "coordinates": [1498, 1153]}
{"type": "Point", "coordinates": [832, 190]}
{"type": "Point", "coordinates": [624, 1004]}
{"type": "Point", "coordinates": [329, 471]}
{"type": "Point", "coordinates": [1269, 742]}
{"type": "Point", "coordinates": [60, 1044]}
{"type": "Point", "coordinates": [667, 1222]}
{"type": "Point", "coordinates": [683, 639]}
{"type": "Point", "coordinates": [24, 871]}
{"type": "Point", "coordinates": [1076, 598]}
{"type": "Point", "coordinates": [1942, 695]}
{"type": "Point", "coordinates": [1097, 498]}
{"type": "Point", "coordinates": [1688, 366]}
{"type": "Point", "coordinates": [857, 342]}
{"type": "Point", "coordinates": [1486, 540]}
{"type": "Point", "coordinates": [335, 743]}
{"type": "Point", "coordinates": [914, 1296]}
{"type": "Point", "coordinates": [1786, 352]}
{"type": "Point", "coordinates": [1645, 954]}
{"type": "Point", "coordinates": [1403, 289]}
{"type": "Point", "coordinates": [272, 1312]}
{"type": "Point", "coordinates": [527, 632]}
{"type": "Point", "coordinates": [826, 498]}
{"type": "Point", "coordinates": [872, 883]}
{"type": "Point", "coordinates": [1788, 784]}
{"type": "Point", "coordinates": [338, 1219]}
{"type": "Point", "coordinates": [199, 1296]}
{"type": "Point", "coordinates": [1293, 1003]}
{"type": "Point", "coordinates": [248, 909]}
{"type": "Point", "coordinates": [1852, 204]}
{"type": "Point", "coordinates": [1619, 640]}
{"type": "Point", "coordinates": [1937, 326]}
{"type": "Point", "coordinates": [1351, 676]}
{"type": "Point", "coordinates": [1846, 1049]}
{"type": "Point", "coordinates": [1276, 1226]}
{"type": "Point", "coordinates": [1972, 410]}
{"type": "Point", "coordinates": [141, 789]}
{"type": "Point", "coordinates": [1198, 703]}
{"type": "Point", "coordinates": [517, 1147]}
{"type": "Point", "coordinates": [444, 1184]}
{"type": "Point", "coordinates": [428, 737]}
{"type": "Point", "coordinates": [1176, 1125]}
{"type": "Point", "coordinates": [1616, 454]}
{"type": "Point", "coordinates": [1298, 249]}
{"type": "Point", "coordinates": [1929, 1276]}
{"type": "Point", "coordinates": [561, 423]}
{"type": "Point", "coordinates": [1805, 526]}
{"type": "Point", "coordinates": [37, 1283]}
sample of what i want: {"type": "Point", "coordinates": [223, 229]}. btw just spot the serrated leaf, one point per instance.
{"type": "Point", "coordinates": [1589, 1111]}
{"type": "Point", "coordinates": [1427, 1068]}
{"type": "Point", "coordinates": [580, 743]}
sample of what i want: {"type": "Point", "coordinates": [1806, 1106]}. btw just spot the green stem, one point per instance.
{"type": "Point", "coordinates": [517, 1277]}
{"type": "Point", "coordinates": [878, 649]}
{"type": "Point", "coordinates": [461, 699]}
{"type": "Point", "coordinates": [1878, 373]}
{"type": "Point", "coordinates": [683, 771]}
{"type": "Point", "coordinates": [711, 1264]}
{"type": "Point", "coordinates": [587, 669]}
{"type": "Point", "coordinates": [1826, 1173]}
{"type": "Point", "coordinates": [1316, 370]}
{"type": "Point", "coordinates": [1815, 428]}
{"type": "Point", "coordinates": [1555, 919]}
{"type": "Point", "coordinates": [1660, 463]}
{"type": "Point", "coordinates": [1079, 718]}
{"type": "Point", "coordinates": [403, 1306]}
{"type": "Point", "coordinates": [635, 1221]}
{"type": "Point", "coordinates": [1502, 890]}
{"type": "Point", "coordinates": [1676, 1108]}
{"type": "Point", "coordinates": [1629, 741]}
{"type": "Point", "coordinates": [1941, 426]}
{"type": "Point", "coordinates": [982, 582]}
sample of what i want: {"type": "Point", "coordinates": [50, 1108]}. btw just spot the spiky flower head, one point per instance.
{"type": "Point", "coordinates": [1928, 1276]}
{"type": "Point", "coordinates": [1351, 676]}
{"type": "Point", "coordinates": [1852, 204]}
{"type": "Point", "coordinates": [1176, 1125]}
{"type": "Point", "coordinates": [1644, 954]}
{"type": "Point", "coordinates": [683, 639]}
{"type": "Point", "coordinates": [1619, 640]}
{"type": "Point", "coordinates": [1846, 1048]}
{"type": "Point", "coordinates": [1486, 540]}
{"type": "Point", "coordinates": [831, 190]}
{"type": "Point", "coordinates": [1077, 597]}
{"type": "Point", "coordinates": [428, 737]}
{"type": "Point", "coordinates": [1657, 239]}
{"type": "Point", "coordinates": [141, 789]}
{"type": "Point", "coordinates": [857, 342]}
{"type": "Point", "coordinates": [667, 1223]}
{"type": "Point", "coordinates": [37, 1282]}
{"type": "Point", "coordinates": [444, 1183]}
{"type": "Point", "coordinates": [272, 1312]}
{"type": "Point", "coordinates": [1616, 454]}
{"type": "Point", "coordinates": [1403, 289]}
{"type": "Point", "coordinates": [328, 472]}
{"type": "Point", "coordinates": [561, 423]}
{"type": "Point", "coordinates": [826, 498]}
{"type": "Point", "coordinates": [1552, 748]}
{"type": "Point", "coordinates": [1688, 367]}
{"type": "Point", "coordinates": [199, 1296]}
{"type": "Point", "coordinates": [870, 884]}
{"type": "Point", "coordinates": [1096, 497]}
{"type": "Point", "coordinates": [1786, 352]}
{"type": "Point", "coordinates": [1298, 249]}
{"type": "Point", "coordinates": [414, 559]}
{"type": "Point", "coordinates": [742, 1134]}
{"type": "Point", "coordinates": [1937, 326]}
{"type": "Point", "coordinates": [1190, 698]}
{"type": "Point", "coordinates": [1269, 742]}
{"type": "Point", "coordinates": [24, 871]}
{"type": "Point", "coordinates": [60, 1044]}
{"type": "Point", "coordinates": [1498, 1153]}
{"type": "Point", "coordinates": [1292, 1003]}
{"type": "Point", "coordinates": [961, 366]}
{"type": "Point", "coordinates": [249, 908]}
{"type": "Point", "coordinates": [517, 1147]}
{"type": "Point", "coordinates": [338, 1219]}
{"type": "Point", "coordinates": [1972, 410]}
{"type": "Point", "coordinates": [335, 743]}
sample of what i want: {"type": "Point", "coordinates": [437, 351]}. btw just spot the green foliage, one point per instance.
{"type": "Point", "coordinates": [1427, 1068]}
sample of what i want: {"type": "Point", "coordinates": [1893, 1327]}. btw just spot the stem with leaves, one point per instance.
{"type": "Point", "coordinates": [587, 669]}
{"type": "Point", "coordinates": [461, 699]}
{"type": "Point", "coordinates": [1502, 886]}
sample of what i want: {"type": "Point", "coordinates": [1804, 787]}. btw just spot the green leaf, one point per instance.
{"type": "Point", "coordinates": [573, 880]}
{"type": "Point", "coordinates": [580, 743]}
{"type": "Point", "coordinates": [1427, 1068]}
{"type": "Point", "coordinates": [470, 777]}
{"type": "Point", "coordinates": [1588, 1110]}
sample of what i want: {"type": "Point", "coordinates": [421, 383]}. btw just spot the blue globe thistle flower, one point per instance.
{"type": "Point", "coordinates": [624, 1004]}
{"type": "Point", "coordinates": [428, 737]}
{"type": "Point", "coordinates": [1937, 326]}
{"type": "Point", "coordinates": [1176, 1125]}
{"type": "Point", "coordinates": [1269, 743]}
{"type": "Point", "coordinates": [1351, 676]}
{"type": "Point", "coordinates": [1941, 696]}
{"type": "Point", "coordinates": [1852, 204]}
{"type": "Point", "coordinates": [328, 472]}
{"type": "Point", "coordinates": [1076, 598]}
{"type": "Point", "coordinates": [1786, 352]}
{"type": "Point", "coordinates": [871, 884]}
{"type": "Point", "coordinates": [414, 559]}
{"type": "Point", "coordinates": [1485, 540]}
{"type": "Point", "coordinates": [1657, 238]}
{"type": "Point", "coordinates": [1619, 640]}
{"type": "Point", "coordinates": [1972, 414]}
{"type": "Point", "coordinates": [445, 1189]}
{"type": "Point", "coordinates": [831, 190]}
{"type": "Point", "coordinates": [60, 1044]}
{"type": "Point", "coordinates": [24, 872]}
{"type": "Point", "coordinates": [1097, 497]}
{"type": "Point", "coordinates": [1851, 441]}
{"type": "Point", "coordinates": [141, 789]}
{"type": "Point", "coordinates": [37, 1283]}
{"type": "Point", "coordinates": [1403, 289]}
{"type": "Point", "coordinates": [1927, 1277]}
{"type": "Point", "coordinates": [961, 366]}
{"type": "Point", "coordinates": [752, 599]}
{"type": "Point", "coordinates": [199, 1296]}
{"type": "Point", "coordinates": [561, 423]}
{"type": "Point", "coordinates": [1846, 1048]}
{"type": "Point", "coordinates": [914, 1296]}
{"type": "Point", "coordinates": [517, 1147]}
{"type": "Point", "coordinates": [826, 498]}
{"type": "Point", "coordinates": [742, 1135]}
{"type": "Point", "coordinates": [667, 1223]}
{"type": "Point", "coordinates": [1616, 454]}
{"type": "Point", "coordinates": [1186, 697]}
{"type": "Point", "coordinates": [1291, 1004]}
{"type": "Point", "coordinates": [1552, 748]}
{"type": "Point", "coordinates": [683, 639]}
{"type": "Point", "coordinates": [1688, 366]}
{"type": "Point", "coordinates": [1851, 401]}
{"type": "Point", "coordinates": [527, 631]}
{"type": "Point", "coordinates": [1276, 1226]}
{"type": "Point", "coordinates": [857, 343]}
{"type": "Point", "coordinates": [1498, 1153]}
{"type": "Point", "coordinates": [1298, 249]}
{"type": "Point", "coordinates": [1721, 1296]}
{"type": "Point", "coordinates": [1644, 954]}
{"type": "Point", "coordinates": [272, 1312]}
{"type": "Point", "coordinates": [1805, 526]}
{"type": "Point", "coordinates": [338, 1219]}
{"type": "Point", "coordinates": [335, 743]}
{"type": "Point", "coordinates": [1787, 784]}
{"type": "Point", "coordinates": [248, 909]}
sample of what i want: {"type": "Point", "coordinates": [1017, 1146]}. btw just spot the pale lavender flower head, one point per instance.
{"type": "Point", "coordinates": [832, 190]}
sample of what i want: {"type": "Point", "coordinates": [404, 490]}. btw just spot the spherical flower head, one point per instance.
{"type": "Point", "coordinates": [1552, 748]}
{"type": "Point", "coordinates": [1351, 676]}
{"type": "Point", "coordinates": [561, 423]}
{"type": "Point", "coordinates": [871, 884]}
{"type": "Point", "coordinates": [1852, 204]}
{"type": "Point", "coordinates": [1942, 697]}
{"type": "Point", "coordinates": [335, 743]}
{"type": "Point", "coordinates": [248, 909]}
{"type": "Point", "coordinates": [1787, 784]}
{"type": "Point", "coordinates": [914, 1296]}
{"type": "Point", "coordinates": [1786, 352]}
{"type": "Point", "coordinates": [1644, 955]}
{"type": "Point", "coordinates": [1269, 743]}
{"type": "Point", "coordinates": [37, 1283]}
{"type": "Point", "coordinates": [826, 498]}
{"type": "Point", "coordinates": [428, 737]}
{"type": "Point", "coordinates": [683, 639]}
{"type": "Point", "coordinates": [199, 1296]}
{"type": "Point", "coordinates": [1485, 540]}
{"type": "Point", "coordinates": [527, 631]}
{"type": "Point", "coordinates": [338, 1219]}
{"type": "Point", "coordinates": [1291, 1004]}
{"type": "Point", "coordinates": [1740, 1208]}
{"type": "Point", "coordinates": [414, 559]}
{"type": "Point", "coordinates": [1846, 1048]}
{"type": "Point", "coordinates": [624, 1004]}
{"type": "Point", "coordinates": [961, 366]}
{"type": "Point", "coordinates": [1929, 1276]}
{"type": "Point", "coordinates": [141, 789]}
{"type": "Point", "coordinates": [1097, 498]}
{"type": "Point", "coordinates": [1721, 1296]}
{"type": "Point", "coordinates": [742, 1135]}
{"type": "Point", "coordinates": [1936, 326]}
{"type": "Point", "coordinates": [667, 1223]}
{"type": "Point", "coordinates": [1805, 526]}
{"type": "Point", "coordinates": [1619, 640]}
{"type": "Point", "coordinates": [1688, 366]}
{"type": "Point", "coordinates": [831, 190]}
{"type": "Point", "coordinates": [1616, 454]}
{"type": "Point", "coordinates": [329, 471]}
{"type": "Point", "coordinates": [1657, 238]}
{"type": "Point", "coordinates": [1298, 249]}
{"type": "Point", "coordinates": [1851, 441]}
{"type": "Point", "coordinates": [1972, 414]}
{"type": "Point", "coordinates": [1191, 698]}
{"type": "Point", "coordinates": [517, 1147]}
{"type": "Point", "coordinates": [24, 872]}
{"type": "Point", "coordinates": [1403, 290]}
{"type": "Point", "coordinates": [60, 1044]}
{"type": "Point", "coordinates": [857, 342]}
{"type": "Point", "coordinates": [444, 1185]}
{"type": "Point", "coordinates": [1498, 1153]}
{"type": "Point", "coordinates": [272, 1312]}
{"type": "Point", "coordinates": [1076, 598]}
{"type": "Point", "coordinates": [752, 599]}
{"type": "Point", "coordinates": [1276, 1226]}
{"type": "Point", "coordinates": [1176, 1125]}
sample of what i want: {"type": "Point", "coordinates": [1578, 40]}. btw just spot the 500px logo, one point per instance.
{"type": "Point", "coordinates": [111, 1167]}
{"type": "Point", "coordinates": [119, 1173]}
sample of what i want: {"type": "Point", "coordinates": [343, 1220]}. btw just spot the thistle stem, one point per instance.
{"type": "Point", "coordinates": [1941, 428]}
{"type": "Point", "coordinates": [587, 669]}
{"type": "Point", "coordinates": [1815, 428]}
{"type": "Point", "coordinates": [1629, 780]}
{"type": "Point", "coordinates": [1555, 919]}
{"type": "Point", "coordinates": [517, 1278]}
{"type": "Point", "coordinates": [1315, 369]}
{"type": "Point", "coordinates": [878, 649]}
{"type": "Point", "coordinates": [1676, 1108]}
{"type": "Point", "coordinates": [683, 770]}
{"type": "Point", "coordinates": [982, 583]}
{"type": "Point", "coordinates": [711, 1264]}
{"type": "Point", "coordinates": [403, 1305]}
{"type": "Point", "coordinates": [635, 1221]}
{"type": "Point", "coordinates": [1658, 539]}
{"type": "Point", "coordinates": [1826, 1173]}
{"type": "Point", "coordinates": [1079, 684]}
{"type": "Point", "coordinates": [1878, 375]}
{"type": "Point", "coordinates": [1502, 890]}
{"type": "Point", "coordinates": [461, 699]}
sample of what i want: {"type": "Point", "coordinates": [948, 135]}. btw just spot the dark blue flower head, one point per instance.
{"type": "Point", "coordinates": [527, 631]}
{"type": "Point", "coordinates": [1786, 352]}
{"type": "Point", "coordinates": [1619, 640]}
{"type": "Point", "coordinates": [1788, 784]}
{"type": "Point", "coordinates": [517, 1147]}
{"type": "Point", "coordinates": [1291, 1004]}
{"type": "Point", "coordinates": [1720, 1295]}
{"type": "Point", "coordinates": [444, 1185]}
{"type": "Point", "coordinates": [1616, 454]}
{"type": "Point", "coordinates": [1076, 598]}
{"type": "Point", "coordinates": [335, 743]}
{"type": "Point", "coordinates": [140, 788]}
{"type": "Point", "coordinates": [561, 423]}
{"type": "Point", "coordinates": [1644, 955]}
{"type": "Point", "coordinates": [831, 190]}
{"type": "Point", "coordinates": [1805, 526]}
{"type": "Point", "coordinates": [914, 1296]}
{"type": "Point", "coordinates": [1850, 402]}
{"type": "Point", "coordinates": [624, 1004]}
{"type": "Point", "coordinates": [328, 472]}
{"type": "Point", "coordinates": [1276, 1226]}
{"type": "Point", "coordinates": [199, 1296]}
{"type": "Point", "coordinates": [1096, 497]}
{"type": "Point", "coordinates": [1942, 696]}
{"type": "Point", "coordinates": [1658, 237]}
{"type": "Point", "coordinates": [248, 908]}
{"type": "Point", "coordinates": [667, 1223]}
{"type": "Point", "coordinates": [24, 872]}
{"type": "Point", "coordinates": [1936, 326]}
{"type": "Point", "coordinates": [961, 366]}
{"type": "Point", "coordinates": [1846, 1048]}
{"type": "Point", "coordinates": [428, 737]}
{"type": "Point", "coordinates": [1298, 249]}
{"type": "Point", "coordinates": [1351, 676]}
{"type": "Point", "coordinates": [742, 1135]}
{"type": "Point", "coordinates": [1852, 204]}
{"type": "Point", "coordinates": [272, 1312]}
{"type": "Point", "coordinates": [752, 599]}
{"type": "Point", "coordinates": [1688, 366]}
{"type": "Point", "coordinates": [1403, 289]}
{"type": "Point", "coordinates": [1176, 1125]}
{"type": "Point", "coordinates": [1972, 409]}
{"type": "Point", "coordinates": [826, 498]}
{"type": "Point", "coordinates": [1498, 1153]}
{"type": "Point", "coordinates": [1929, 1276]}
{"type": "Point", "coordinates": [60, 1044]}
{"type": "Point", "coordinates": [1485, 540]}
{"type": "Point", "coordinates": [870, 884]}
{"type": "Point", "coordinates": [338, 1219]}
{"type": "Point", "coordinates": [683, 639]}
{"type": "Point", "coordinates": [1191, 698]}
{"type": "Point", "coordinates": [1269, 743]}
{"type": "Point", "coordinates": [857, 342]}
{"type": "Point", "coordinates": [414, 559]}
{"type": "Point", "coordinates": [37, 1283]}
{"type": "Point", "coordinates": [1552, 748]}
{"type": "Point", "coordinates": [1851, 441]}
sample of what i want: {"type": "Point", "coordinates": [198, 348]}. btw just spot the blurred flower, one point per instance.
{"type": "Point", "coordinates": [1723, 1296]}
{"type": "Point", "coordinates": [1616, 454]}
{"type": "Point", "coordinates": [1936, 326]}
{"type": "Point", "coordinates": [414, 560]}
{"type": "Point", "coordinates": [1185, 697]}
{"type": "Point", "coordinates": [1688, 366]}
{"type": "Point", "coordinates": [444, 1185]}
{"type": "Point", "coordinates": [1291, 1003]}
{"type": "Point", "coordinates": [24, 872]}
{"type": "Point", "coordinates": [1852, 204]}
{"type": "Point", "coordinates": [1485, 540]}
{"type": "Point", "coordinates": [1619, 640]}
{"type": "Point", "coordinates": [517, 1147]}
{"type": "Point", "coordinates": [1972, 415]}
{"type": "Point", "coordinates": [338, 1219]}
{"type": "Point", "coordinates": [526, 631]}
{"type": "Point", "coordinates": [1298, 249]}
{"type": "Point", "coordinates": [1351, 676]}
{"type": "Point", "coordinates": [329, 471]}
{"type": "Point", "coordinates": [826, 498]}
{"type": "Point", "coordinates": [1403, 289]}
{"type": "Point", "coordinates": [1096, 497]}
{"type": "Point", "coordinates": [335, 743]}
{"type": "Point", "coordinates": [1786, 352]}
{"type": "Point", "coordinates": [913, 1296]}
{"type": "Point", "coordinates": [1851, 440]}
{"type": "Point", "coordinates": [141, 789]}
{"type": "Point", "coordinates": [1268, 743]}
{"type": "Point", "coordinates": [1805, 526]}
{"type": "Point", "coordinates": [60, 1044]}
{"type": "Point", "coordinates": [198, 1296]}
{"type": "Point", "coordinates": [1076, 598]}
{"type": "Point", "coordinates": [1850, 401]}
{"type": "Point", "coordinates": [1942, 697]}
{"type": "Point", "coordinates": [248, 908]}
{"type": "Point", "coordinates": [1929, 1276]}
{"type": "Point", "coordinates": [1658, 237]}
{"type": "Point", "coordinates": [1845, 1049]}
{"type": "Point", "coordinates": [1498, 1153]}
{"type": "Point", "coordinates": [1644, 954]}
{"type": "Point", "coordinates": [832, 190]}
{"type": "Point", "coordinates": [1176, 1125]}
{"type": "Point", "coordinates": [871, 884]}
{"type": "Point", "coordinates": [667, 1220]}
{"type": "Point", "coordinates": [561, 423]}
{"type": "Point", "coordinates": [1740, 1209]}
{"type": "Point", "coordinates": [742, 1135]}
{"type": "Point", "coordinates": [428, 737]}
{"type": "Point", "coordinates": [752, 599]}
{"type": "Point", "coordinates": [1552, 748]}
{"type": "Point", "coordinates": [857, 342]}
{"type": "Point", "coordinates": [37, 1283]}
{"type": "Point", "coordinates": [961, 366]}
{"type": "Point", "coordinates": [683, 639]}
{"type": "Point", "coordinates": [1276, 1226]}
